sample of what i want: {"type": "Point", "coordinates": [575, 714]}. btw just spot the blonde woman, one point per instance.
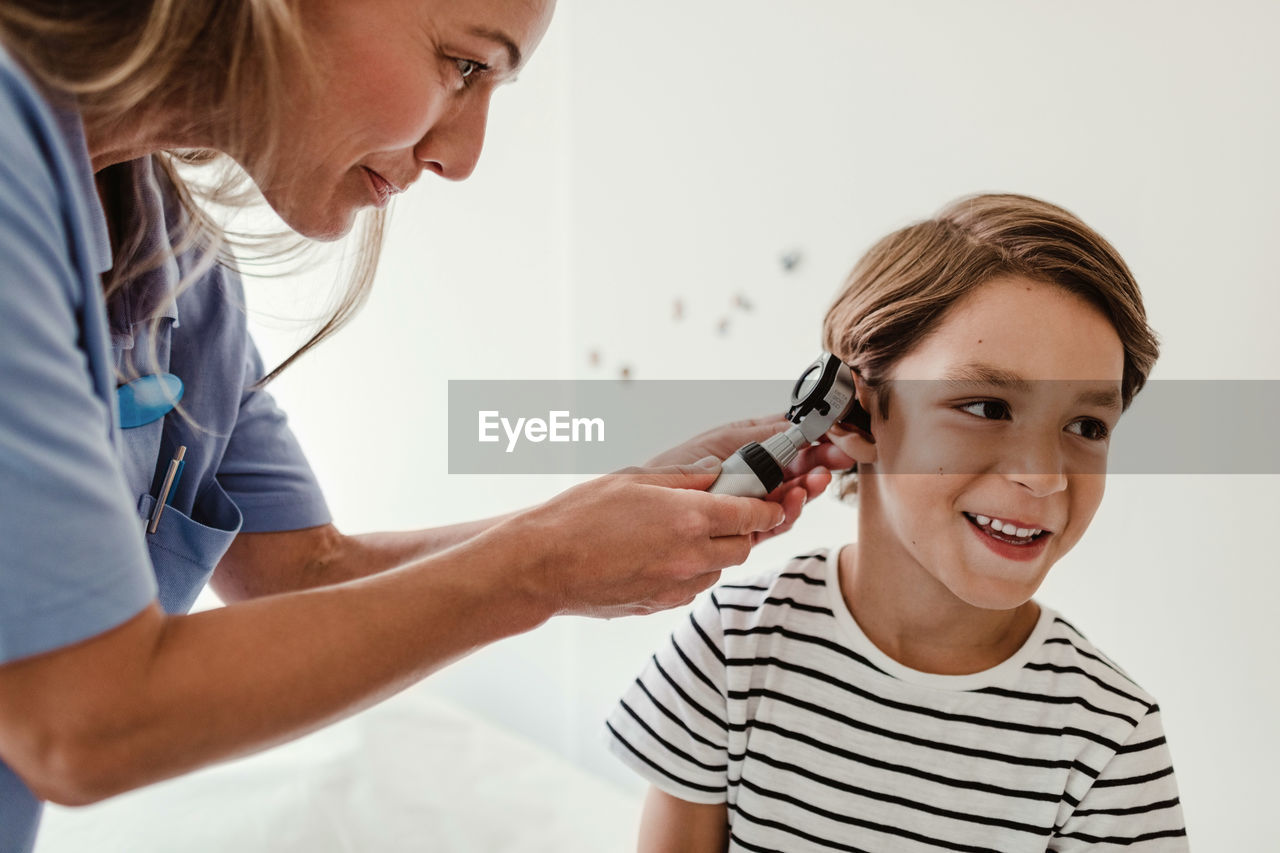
{"type": "Point", "coordinates": [115, 511]}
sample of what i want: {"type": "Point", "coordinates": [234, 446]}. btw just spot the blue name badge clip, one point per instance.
{"type": "Point", "coordinates": [148, 398]}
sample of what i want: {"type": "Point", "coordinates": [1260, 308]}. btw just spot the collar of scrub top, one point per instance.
{"type": "Point", "coordinates": [146, 299]}
{"type": "Point", "coordinates": [152, 290]}
{"type": "Point", "coordinates": [151, 294]}
{"type": "Point", "coordinates": [147, 398]}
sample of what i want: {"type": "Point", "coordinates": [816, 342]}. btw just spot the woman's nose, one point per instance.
{"type": "Point", "coordinates": [452, 147]}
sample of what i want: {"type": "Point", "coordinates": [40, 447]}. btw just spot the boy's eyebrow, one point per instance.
{"type": "Point", "coordinates": [985, 374]}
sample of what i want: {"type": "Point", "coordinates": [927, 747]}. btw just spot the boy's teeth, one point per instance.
{"type": "Point", "coordinates": [1005, 527]}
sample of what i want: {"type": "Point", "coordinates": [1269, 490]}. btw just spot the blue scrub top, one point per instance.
{"type": "Point", "coordinates": [75, 488]}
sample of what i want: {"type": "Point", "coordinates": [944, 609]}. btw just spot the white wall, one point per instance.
{"type": "Point", "coordinates": [675, 149]}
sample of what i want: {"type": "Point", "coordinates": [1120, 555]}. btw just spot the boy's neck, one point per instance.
{"type": "Point", "coordinates": [918, 622]}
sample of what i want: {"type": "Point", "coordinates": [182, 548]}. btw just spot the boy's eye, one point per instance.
{"type": "Point", "coordinates": [989, 409]}
{"type": "Point", "coordinates": [1090, 429]}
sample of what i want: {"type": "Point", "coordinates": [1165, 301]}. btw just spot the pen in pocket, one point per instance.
{"type": "Point", "coordinates": [170, 485]}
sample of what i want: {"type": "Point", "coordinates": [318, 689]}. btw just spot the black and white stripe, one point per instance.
{"type": "Point", "coordinates": [770, 700]}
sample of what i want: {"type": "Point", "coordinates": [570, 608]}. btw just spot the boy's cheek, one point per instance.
{"type": "Point", "coordinates": [927, 448]}
{"type": "Point", "coordinates": [1086, 493]}
{"type": "Point", "coordinates": [1088, 461]}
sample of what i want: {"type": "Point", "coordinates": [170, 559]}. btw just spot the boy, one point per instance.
{"type": "Point", "coordinates": [905, 692]}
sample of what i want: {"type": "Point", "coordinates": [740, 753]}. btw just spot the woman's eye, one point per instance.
{"type": "Point", "coordinates": [469, 67]}
{"type": "Point", "coordinates": [988, 409]}
{"type": "Point", "coordinates": [1090, 429]}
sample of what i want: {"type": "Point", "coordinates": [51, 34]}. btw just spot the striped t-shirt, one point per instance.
{"type": "Point", "coordinates": [769, 698]}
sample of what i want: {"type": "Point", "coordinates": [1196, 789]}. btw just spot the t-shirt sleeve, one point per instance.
{"type": "Point", "coordinates": [1133, 805]}
{"type": "Point", "coordinates": [671, 724]}
{"type": "Point", "coordinates": [264, 470]}
{"type": "Point", "coordinates": [72, 558]}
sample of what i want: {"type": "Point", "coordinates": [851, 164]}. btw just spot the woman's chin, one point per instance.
{"type": "Point", "coordinates": [325, 228]}
{"type": "Point", "coordinates": [322, 222]}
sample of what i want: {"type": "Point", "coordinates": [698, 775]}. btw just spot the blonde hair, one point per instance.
{"type": "Point", "coordinates": [904, 285]}
{"type": "Point", "coordinates": [117, 61]}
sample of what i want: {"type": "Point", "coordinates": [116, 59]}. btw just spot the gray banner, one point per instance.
{"type": "Point", "coordinates": [596, 426]}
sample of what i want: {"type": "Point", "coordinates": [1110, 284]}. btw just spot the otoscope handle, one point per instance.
{"type": "Point", "coordinates": [754, 470]}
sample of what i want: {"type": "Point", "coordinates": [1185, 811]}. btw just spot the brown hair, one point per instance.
{"type": "Point", "coordinates": [903, 287]}
{"type": "Point", "coordinates": [223, 60]}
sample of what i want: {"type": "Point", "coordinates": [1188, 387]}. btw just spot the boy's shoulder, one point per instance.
{"type": "Point", "coordinates": [1064, 652]}
{"type": "Point", "coordinates": [801, 585]}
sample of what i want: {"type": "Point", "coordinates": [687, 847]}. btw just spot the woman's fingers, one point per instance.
{"type": "Point", "coordinates": [645, 539]}
{"type": "Point", "coordinates": [722, 440]}
{"type": "Point", "coordinates": [698, 475]}
{"type": "Point", "coordinates": [824, 454]}
{"type": "Point", "coordinates": [642, 540]}
{"type": "Point", "coordinates": [729, 515]}
{"type": "Point", "coordinates": [792, 501]}
{"type": "Point", "coordinates": [734, 516]}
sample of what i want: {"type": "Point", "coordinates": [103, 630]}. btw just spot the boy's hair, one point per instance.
{"type": "Point", "coordinates": [903, 287]}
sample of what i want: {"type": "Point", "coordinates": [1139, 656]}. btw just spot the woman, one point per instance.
{"type": "Point", "coordinates": [330, 107]}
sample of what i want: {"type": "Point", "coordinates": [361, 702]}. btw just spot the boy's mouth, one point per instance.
{"type": "Point", "coordinates": [1006, 531]}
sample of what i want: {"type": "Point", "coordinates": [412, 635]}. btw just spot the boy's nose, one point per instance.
{"type": "Point", "coordinates": [1043, 484]}
{"type": "Point", "coordinates": [1037, 466]}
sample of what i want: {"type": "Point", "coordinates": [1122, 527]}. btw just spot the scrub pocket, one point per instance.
{"type": "Point", "coordinates": [185, 549]}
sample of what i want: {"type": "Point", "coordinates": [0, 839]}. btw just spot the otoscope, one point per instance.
{"type": "Point", "coordinates": [823, 395]}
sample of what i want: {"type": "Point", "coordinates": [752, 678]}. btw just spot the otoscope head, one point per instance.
{"type": "Point", "coordinates": [825, 395]}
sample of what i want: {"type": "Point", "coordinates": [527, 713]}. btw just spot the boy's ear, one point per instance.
{"type": "Point", "coordinates": [854, 440]}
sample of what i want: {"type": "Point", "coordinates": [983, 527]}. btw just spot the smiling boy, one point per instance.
{"type": "Point", "coordinates": [905, 691]}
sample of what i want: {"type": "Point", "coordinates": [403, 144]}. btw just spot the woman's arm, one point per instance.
{"type": "Point", "coordinates": [162, 695]}
{"type": "Point", "coordinates": [260, 564]}
{"type": "Point", "coordinates": [672, 825]}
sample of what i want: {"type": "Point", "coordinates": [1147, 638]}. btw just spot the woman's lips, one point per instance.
{"type": "Point", "coordinates": [382, 189]}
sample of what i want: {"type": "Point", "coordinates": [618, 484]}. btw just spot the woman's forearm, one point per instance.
{"type": "Point", "coordinates": [161, 695]}
{"type": "Point", "coordinates": [398, 548]}
{"type": "Point", "coordinates": [214, 685]}
{"type": "Point", "coordinates": [259, 564]}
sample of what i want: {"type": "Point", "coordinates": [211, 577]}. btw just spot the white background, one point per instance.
{"type": "Point", "coordinates": [676, 149]}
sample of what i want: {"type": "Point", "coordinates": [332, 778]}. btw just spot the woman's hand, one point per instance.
{"type": "Point", "coordinates": [807, 476]}
{"type": "Point", "coordinates": [639, 540]}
